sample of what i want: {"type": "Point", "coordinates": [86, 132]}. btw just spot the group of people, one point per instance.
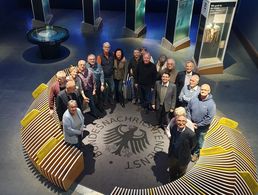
{"type": "Point", "coordinates": [102, 80]}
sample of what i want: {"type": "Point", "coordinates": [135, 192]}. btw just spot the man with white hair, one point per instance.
{"type": "Point", "coordinates": [201, 111]}
{"type": "Point", "coordinates": [106, 60]}
{"type": "Point", "coordinates": [182, 141]}
{"type": "Point", "coordinates": [183, 77]}
{"type": "Point", "coordinates": [171, 69]}
{"type": "Point", "coordinates": [73, 123]}
{"type": "Point", "coordinates": [189, 91]}
{"type": "Point", "coordinates": [145, 80]}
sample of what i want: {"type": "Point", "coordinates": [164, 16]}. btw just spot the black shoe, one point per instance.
{"type": "Point", "coordinates": [95, 115]}
{"type": "Point", "coordinates": [85, 134]}
{"type": "Point", "coordinates": [122, 104]}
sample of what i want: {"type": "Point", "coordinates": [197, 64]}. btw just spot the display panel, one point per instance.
{"type": "Point", "coordinates": [140, 13]}
{"type": "Point", "coordinates": [183, 19]}
{"type": "Point", "coordinates": [216, 30]}
{"type": "Point", "coordinates": [96, 8]}
{"type": "Point", "coordinates": [46, 8]}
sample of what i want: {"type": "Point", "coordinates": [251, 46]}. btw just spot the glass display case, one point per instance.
{"type": "Point", "coordinates": [41, 13]}
{"type": "Point", "coordinates": [92, 21]}
{"type": "Point", "coordinates": [213, 34]}
{"type": "Point", "coordinates": [135, 18]}
{"type": "Point", "coordinates": [179, 17]}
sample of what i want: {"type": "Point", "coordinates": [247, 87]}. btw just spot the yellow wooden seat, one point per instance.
{"type": "Point", "coordinates": [44, 150]}
{"type": "Point", "coordinates": [253, 185]}
{"type": "Point", "coordinates": [29, 117]}
{"type": "Point", "coordinates": [228, 123]}
{"type": "Point", "coordinates": [39, 90]}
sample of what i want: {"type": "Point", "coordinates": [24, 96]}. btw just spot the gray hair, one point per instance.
{"type": "Point", "coordinates": [72, 102]}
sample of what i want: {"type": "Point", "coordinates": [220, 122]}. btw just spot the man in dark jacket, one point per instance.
{"type": "Point", "coordinates": [106, 60]}
{"type": "Point", "coordinates": [132, 67]}
{"type": "Point", "coordinates": [69, 93]}
{"type": "Point", "coordinates": [182, 142]}
{"type": "Point", "coordinates": [164, 99]}
{"type": "Point", "coordinates": [145, 80]}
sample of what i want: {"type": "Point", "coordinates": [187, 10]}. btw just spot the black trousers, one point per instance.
{"type": "Point", "coordinates": [163, 116]}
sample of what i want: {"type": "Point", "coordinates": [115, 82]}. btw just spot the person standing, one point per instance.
{"type": "Point", "coordinates": [201, 110]}
{"type": "Point", "coordinates": [171, 69]}
{"type": "Point", "coordinates": [106, 60]}
{"type": "Point", "coordinates": [164, 99]}
{"type": "Point", "coordinates": [182, 142]}
{"type": "Point", "coordinates": [179, 111]}
{"type": "Point", "coordinates": [55, 88]}
{"type": "Point", "coordinates": [88, 85]}
{"type": "Point", "coordinates": [69, 93]}
{"type": "Point", "coordinates": [145, 81]}
{"type": "Point", "coordinates": [119, 75]}
{"type": "Point", "coordinates": [183, 78]}
{"type": "Point", "coordinates": [73, 122]}
{"type": "Point", "coordinates": [132, 67]}
{"type": "Point", "coordinates": [99, 81]}
{"type": "Point", "coordinates": [189, 91]}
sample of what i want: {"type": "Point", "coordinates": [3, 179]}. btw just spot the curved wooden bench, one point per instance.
{"type": "Point", "coordinates": [226, 165]}
{"type": "Point", "coordinates": [44, 144]}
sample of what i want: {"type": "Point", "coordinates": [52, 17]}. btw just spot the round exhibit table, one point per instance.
{"type": "Point", "coordinates": [49, 39]}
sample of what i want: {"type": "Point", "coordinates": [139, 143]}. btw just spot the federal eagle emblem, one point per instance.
{"type": "Point", "coordinates": [126, 140]}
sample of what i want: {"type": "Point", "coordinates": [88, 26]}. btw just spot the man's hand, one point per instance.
{"type": "Point", "coordinates": [86, 99]}
{"type": "Point", "coordinates": [51, 113]}
{"type": "Point", "coordinates": [136, 85]}
{"type": "Point", "coordinates": [171, 110]}
{"type": "Point", "coordinates": [102, 88]}
{"type": "Point", "coordinates": [153, 106]}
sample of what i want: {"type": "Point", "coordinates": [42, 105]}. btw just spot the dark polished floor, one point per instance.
{"type": "Point", "coordinates": [22, 70]}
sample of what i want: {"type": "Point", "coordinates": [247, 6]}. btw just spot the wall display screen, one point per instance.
{"type": "Point", "coordinates": [216, 29]}
{"type": "Point", "coordinates": [183, 19]}
{"type": "Point", "coordinates": [139, 13]}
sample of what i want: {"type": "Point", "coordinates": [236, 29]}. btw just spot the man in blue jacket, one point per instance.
{"type": "Point", "coordinates": [201, 111]}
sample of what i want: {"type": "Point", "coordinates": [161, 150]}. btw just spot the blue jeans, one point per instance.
{"type": "Point", "coordinates": [200, 133]}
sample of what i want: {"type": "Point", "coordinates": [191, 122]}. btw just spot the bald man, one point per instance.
{"type": "Point", "coordinates": [70, 93]}
{"type": "Point", "coordinates": [201, 111]}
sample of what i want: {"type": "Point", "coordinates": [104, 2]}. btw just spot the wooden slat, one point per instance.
{"type": "Point", "coordinates": [72, 171]}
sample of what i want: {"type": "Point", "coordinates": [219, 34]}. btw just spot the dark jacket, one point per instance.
{"type": "Point", "coordinates": [181, 144]}
{"type": "Point", "coordinates": [133, 64]}
{"type": "Point", "coordinates": [62, 102]}
{"type": "Point", "coordinates": [107, 64]}
{"type": "Point", "coordinates": [146, 74]}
